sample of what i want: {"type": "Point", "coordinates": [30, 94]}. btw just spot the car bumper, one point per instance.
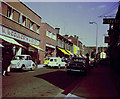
{"type": "Point", "coordinates": [14, 66]}
{"type": "Point", "coordinates": [76, 70]}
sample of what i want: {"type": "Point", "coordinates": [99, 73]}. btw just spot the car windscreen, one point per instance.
{"type": "Point", "coordinates": [51, 60]}
{"type": "Point", "coordinates": [18, 58]}
{"type": "Point", "coordinates": [78, 60]}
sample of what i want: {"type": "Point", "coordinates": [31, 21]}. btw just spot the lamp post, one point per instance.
{"type": "Point", "coordinates": [96, 36]}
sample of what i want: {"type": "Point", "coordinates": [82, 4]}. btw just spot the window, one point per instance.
{"type": "Point", "coordinates": [31, 25]}
{"type": "Point", "coordinates": [20, 18]}
{"type": "Point", "coordinates": [24, 20]}
{"type": "Point", "coordinates": [37, 28]}
{"type": "Point", "coordinates": [10, 12]}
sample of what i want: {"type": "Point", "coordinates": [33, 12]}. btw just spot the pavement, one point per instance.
{"type": "Point", "coordinates": [40, 66]}
{"type": "Point", "coordinates": [104, 82]}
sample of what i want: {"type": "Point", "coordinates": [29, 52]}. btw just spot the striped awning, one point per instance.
{"type": "Point", "coordinates": [37, 47]}
{"type": "Point", "coordinates": [69, 52]}
{"type": "Point", "coordinates": [64, 51]}
{"type": "Point", "coordinates": [10, 40]}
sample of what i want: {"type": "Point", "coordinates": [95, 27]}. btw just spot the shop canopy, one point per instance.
{"type": "Point", "coordinates": [63, 51]}
{"type": "Point", "coordinates": [1, 45]}
{"type": "Point", "coordinates": [37, 47]}
{"type": "Point", "coordinates": [69, 52]}
{"type": "Point", "coordinates": [10, 40]}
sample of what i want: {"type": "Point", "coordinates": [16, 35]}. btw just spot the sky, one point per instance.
{"type": "Point", "coordinates": [73, 17]}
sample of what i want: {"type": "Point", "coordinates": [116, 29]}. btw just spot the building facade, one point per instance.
{"type": "Point", "coordinates": [113, 39]}
{"type": "Point", "coordinates": [20, 29]}
{"type": "Point", "coordinates": [48, 41]}
{"type": "Point", "coordinates": [64, 47]}
{"type": "Point", "coordinates": [77, 45]}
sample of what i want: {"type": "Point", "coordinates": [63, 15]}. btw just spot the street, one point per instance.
{"type": "Point", "coordinates": [52, 82]}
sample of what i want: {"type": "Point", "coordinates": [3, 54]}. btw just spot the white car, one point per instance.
{"type": "Point", "coordinates": [56, 62]}
{"type": "Point", "coordinates": [22, 62]}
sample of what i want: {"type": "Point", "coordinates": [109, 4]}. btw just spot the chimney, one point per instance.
{"type": "Point", "coordinates": [57, 30]}
{"type": "Point", "coordinates": [74, 36]}
{"type": "Point", "coordinates": [77, 37]}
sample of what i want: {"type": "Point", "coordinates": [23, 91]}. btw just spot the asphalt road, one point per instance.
{"type": "Point", "coordinates": [49, 82]}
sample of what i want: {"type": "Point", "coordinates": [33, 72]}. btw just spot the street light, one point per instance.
{"type": "Point", "coordinates": [96, 36]}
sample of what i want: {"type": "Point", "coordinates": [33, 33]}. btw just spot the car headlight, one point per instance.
{"type": "Point", "coordinates": [18, 64]}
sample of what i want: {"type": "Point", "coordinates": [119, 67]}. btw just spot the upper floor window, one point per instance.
{"type": "Point", "coordinates": [31, 25]}
{"type": "Point", "coordinates": [37, 28]}
{"type": "Point", "coordinates": [10, 12]}
{"type": "Point", "coordinates": [24, 20]}
{"type": "Point", "coordinates": [20, 18]}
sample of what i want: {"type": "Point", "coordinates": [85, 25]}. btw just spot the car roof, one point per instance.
{"type": "Point", "coordinates": [53, 57]}
{"type": "Point", "coordinates": [22, 55]}
{"type": "Point", "coordinates": [78, 58]}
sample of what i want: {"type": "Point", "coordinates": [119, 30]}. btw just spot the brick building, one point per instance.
{"type": "Point", "coordinates": [64, 47]}
{"type": "Point", "coordinates": [20, 29]}
{"type": "Point", "coordinates": [113, 39]}
{"type": "Point", "coordinates": [77, 45]}
{"type": "Point", "coordinates": [48, 41]}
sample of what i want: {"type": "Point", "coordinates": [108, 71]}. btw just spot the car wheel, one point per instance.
{"type": "Point", "coordinates": [22, 68]}
{"type": "Point", "coordinates": [33, 67]}
{"type": "Point", "coordinates": [59, 66]}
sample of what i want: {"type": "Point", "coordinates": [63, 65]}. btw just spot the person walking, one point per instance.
{"type": "Point", "coordinates": [87, 61]}
{"type": "Point", "coordinates": [5, 63]}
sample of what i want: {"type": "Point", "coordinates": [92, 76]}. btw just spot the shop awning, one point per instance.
{"type": "Point", "coordinates": [1, 45]}
{"type": "Point", "coordinates": [37, 47]}
{"type": "Point", "coordinates": [69, 52]}
{"type": "Point", "coordinates": [63, 51]}
{"type": "Point", "coordinates": [10, 40]}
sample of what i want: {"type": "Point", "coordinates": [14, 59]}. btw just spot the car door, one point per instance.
{"type": "Point", "coordinates": [30, 61]}
{"type": "Point", "coordinates": [62, 62]}
{"type": "Point", "coordinates": [27, 61]}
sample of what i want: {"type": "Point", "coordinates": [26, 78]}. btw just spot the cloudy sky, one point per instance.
{"type": "Point", "coordinates": [73, 17]}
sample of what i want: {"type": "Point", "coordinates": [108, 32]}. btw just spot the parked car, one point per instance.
{"type": "Point", "coordinates": [92, 62]}
{"type": "Point", "coordinates": [56, 62]}
{"type": "Point", "coordinates": [77, 64]}
{"type": "Point", "coordinates": [22, 62]}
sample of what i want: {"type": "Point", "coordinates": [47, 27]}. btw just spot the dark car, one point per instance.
{"type": "Point", "coordinates": [77, 64]}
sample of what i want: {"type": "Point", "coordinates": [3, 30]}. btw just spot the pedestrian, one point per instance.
{"type": "Point", "coordinates": [5, 63]}
{"type": "Point", "coordinates": [87, 61]}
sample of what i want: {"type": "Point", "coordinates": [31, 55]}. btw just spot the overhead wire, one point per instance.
{"type": "Point", "coordinates": [107, 13]}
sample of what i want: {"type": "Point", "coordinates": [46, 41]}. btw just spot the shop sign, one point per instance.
{"type": "Point", "coordinates": [51, 46]}
{"type": "Point", "coordinates": [111, 21]}
{"type": "Point", "coordinates": [18, 36]}
{"type": "Point", "coordinates": [75, 49]}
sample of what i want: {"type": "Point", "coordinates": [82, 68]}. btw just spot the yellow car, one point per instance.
{"type": "Point", "coordinates": [46, 61]}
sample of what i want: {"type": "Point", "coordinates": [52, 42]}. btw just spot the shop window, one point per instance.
{"type": "Point", "coordinates": [37, 28]}
{"type": "Point", "coordinates": [23, 20]}
{"type": "Point", "coordinates": [31, 25]}
{"type": "Point", "coordinates": [10, 12]}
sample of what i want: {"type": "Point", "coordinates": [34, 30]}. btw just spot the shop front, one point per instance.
{"type": "Point", "coordinates": [62, 53]}
{"type": "Point", "coordinates": [17, 43]}
{"type": "Point", "coordinates": [51, 51]}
